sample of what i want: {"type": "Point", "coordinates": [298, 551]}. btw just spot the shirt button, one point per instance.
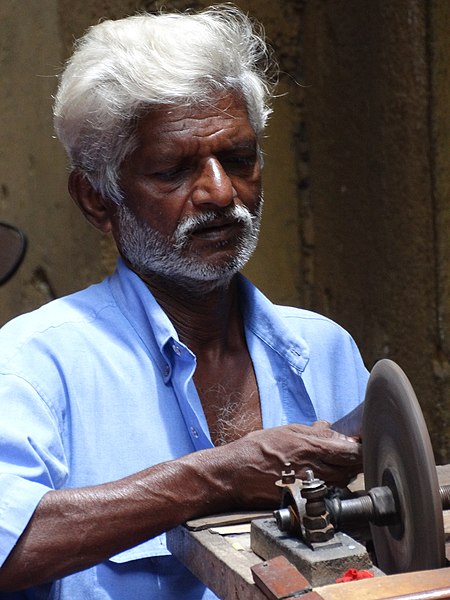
{"type": "Point", "coordinates": [194, 432]}
{"type": "Point", "coordinates": [176, 349]}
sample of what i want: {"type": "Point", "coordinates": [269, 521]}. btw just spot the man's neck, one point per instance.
{"type": "Point", "coordinates": [210, 324]}
{"type": "Point", "coordinates": [207, 318]}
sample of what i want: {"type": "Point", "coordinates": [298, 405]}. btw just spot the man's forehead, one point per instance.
{"type": "Point", "coordinates": [180, 130]}
{"type": "Point", "coordinates": [225, 111]}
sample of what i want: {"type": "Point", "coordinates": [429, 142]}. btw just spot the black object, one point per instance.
{"type": "Point", "coordinates": [13, 245]}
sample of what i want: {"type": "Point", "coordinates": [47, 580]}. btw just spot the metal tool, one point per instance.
{"type": "Point", "coordinates": [398, 454]}
{"type": "Point", "coordinates": [403, 503]}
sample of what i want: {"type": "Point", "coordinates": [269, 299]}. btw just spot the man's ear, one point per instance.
{"type": "Point", "coordinates": [92, 204]}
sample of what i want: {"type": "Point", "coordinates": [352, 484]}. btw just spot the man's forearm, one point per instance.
{"type": "Point", "coordinates": [73, 529]}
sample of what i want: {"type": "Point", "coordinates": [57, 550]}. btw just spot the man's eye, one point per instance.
{"type": "Point", "coordinates": [240, 162]}
{"type": "Point", "coordinates": [170, 174]}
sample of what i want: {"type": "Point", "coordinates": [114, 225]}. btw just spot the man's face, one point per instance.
{"type": "Point", "coordinates": [192, 193]}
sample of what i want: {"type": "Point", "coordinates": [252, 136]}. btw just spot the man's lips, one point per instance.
{"type": "Point", "coordinates": [215, 230]}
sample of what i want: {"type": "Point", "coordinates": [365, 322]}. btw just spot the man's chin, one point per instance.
{"type": "Point", "coordinates": [197, 275]}
{"type": "Point", "coordinates": [200, 272]}
{"type": "Point", "coordinates": [192, 265]}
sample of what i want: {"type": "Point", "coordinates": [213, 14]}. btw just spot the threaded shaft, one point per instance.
{"type": "Point", "coordinates": [356, 509]}
{"type": "Point", "coordinates": [444, 492]}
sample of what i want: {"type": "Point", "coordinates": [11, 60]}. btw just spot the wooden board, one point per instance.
{"type": "Point", "coordinates": [391, 587]}
{"type": "Point", "coordinates": [223, 563]}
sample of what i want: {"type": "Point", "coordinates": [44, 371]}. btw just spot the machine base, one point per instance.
{"type": "Point", "coordinates": [321, 566]}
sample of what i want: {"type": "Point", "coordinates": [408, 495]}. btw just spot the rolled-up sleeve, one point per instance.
{"type": "Point", "coordinates": [32, 459]}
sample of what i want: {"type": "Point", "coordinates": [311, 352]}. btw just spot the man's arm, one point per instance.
{"type": "Point", "coordinates": [73, 529]}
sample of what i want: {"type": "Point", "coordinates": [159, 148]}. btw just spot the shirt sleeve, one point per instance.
{"type": "Point", "coordinates": [32, 458]}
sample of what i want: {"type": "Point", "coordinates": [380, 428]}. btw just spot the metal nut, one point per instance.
{"type": "Point", "coordinates": [320, 535]}
{"type": "Point", "coordinates": [319, 522]}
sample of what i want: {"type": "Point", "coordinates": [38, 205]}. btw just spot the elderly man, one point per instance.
{"type": "Point", "coordinates": [151, 397]}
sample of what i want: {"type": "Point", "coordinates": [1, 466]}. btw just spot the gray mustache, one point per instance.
{"type": "Point", "coordinates": [190, 224]}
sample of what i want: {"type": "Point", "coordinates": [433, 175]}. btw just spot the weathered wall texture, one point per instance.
{"type": "Point", "coordinates": [439, 112]}
{"type": "Point", "coordinates": [357, 172]}
{"type": "Point", "coordinates": [377, 121]}
{"type": "Point", "coordinates": [62, 249]}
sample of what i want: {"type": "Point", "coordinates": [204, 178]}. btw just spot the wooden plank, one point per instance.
{"type": "Point", "coordinates": [223, 564]}
{"type": "Point", "coordinates": [226, 519]}
{"type": "Point", "coordinates": [391, 587]}
{"type": "Point", "coordinates": [279, 579]}
{"type": "Point", "coordinates": [217, 561]}
{"type": "Point", "coordinates": [443, 473]}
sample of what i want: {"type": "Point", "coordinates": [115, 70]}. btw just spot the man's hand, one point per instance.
{"type": "Point", "coordinates": [258, 459]}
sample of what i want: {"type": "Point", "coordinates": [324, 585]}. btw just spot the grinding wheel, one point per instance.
{"type": "Point", "coordinates": [397, 453]}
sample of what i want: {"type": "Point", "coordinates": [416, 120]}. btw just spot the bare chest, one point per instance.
{"type": "Point", "coordinates": [230, 400]}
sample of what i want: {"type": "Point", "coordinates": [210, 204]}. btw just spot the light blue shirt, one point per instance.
{"type": "Point", "coordinates": [97, 385]}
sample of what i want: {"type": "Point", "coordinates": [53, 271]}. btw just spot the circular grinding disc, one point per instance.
{"type": "Point", "coordinates": [397, 453]}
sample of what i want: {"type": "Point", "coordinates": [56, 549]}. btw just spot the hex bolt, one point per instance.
{"type": "Point", "coordinates": [287, 474]}
{"type": "Point", "coordinates": [316, 521]}
{"type": "Point", "coordinates": [311, 480]}
{"type": "Point", "coordinates": [377, 506]}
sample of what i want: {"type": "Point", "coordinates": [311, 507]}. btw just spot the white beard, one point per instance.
{"type": "Point", "coordinates": [151, 253]}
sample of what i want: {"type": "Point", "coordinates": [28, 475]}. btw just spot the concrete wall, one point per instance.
{"type": "Point", "coordinates": [357, 179]}
{"type": "Point", "coordinates": [377, 120]}
{"type": "Point", "coordinates": [62, 249]}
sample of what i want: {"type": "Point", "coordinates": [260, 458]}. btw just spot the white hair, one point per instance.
{"type": "Point", "coordinates": [122, 68]}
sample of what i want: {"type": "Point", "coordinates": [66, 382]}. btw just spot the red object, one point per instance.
{"type": "Point", "coordinates": [354, 575]}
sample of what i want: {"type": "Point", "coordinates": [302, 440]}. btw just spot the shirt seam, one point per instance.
{"type": "Point", "coordinates": [39, 394]}
{"type": "Point", "coordinates": [85, 318]}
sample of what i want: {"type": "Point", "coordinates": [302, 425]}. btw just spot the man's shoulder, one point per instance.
{"type": "Point", "coordinates": [262, 313]}
{"type": "Point", "coordinates": [79, 307]}
{"type": "Point", "coordinates": [309, 320]}
{"type": "Point", "coordinates": [307, 317]}
{"type": "Point", "coordinates": [313, 327]}
{"type": "Point", "coordinates": [299, 313]}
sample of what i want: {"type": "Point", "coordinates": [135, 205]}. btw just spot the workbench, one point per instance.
{"type": "Point", "coordinates": [223, 559]}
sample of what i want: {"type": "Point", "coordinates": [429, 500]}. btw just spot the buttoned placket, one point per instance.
{"type": "Point", "coordinates": [181, 378]}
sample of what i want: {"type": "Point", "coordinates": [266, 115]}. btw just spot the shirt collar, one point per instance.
{"type": "Point", "coordinates": [140, 308]}
{"type": "Point", "coordinates": [155, 329]}
{"type": "Point", "coordinates": [264, 320]}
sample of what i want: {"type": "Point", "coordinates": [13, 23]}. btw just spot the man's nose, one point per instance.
{"type": "Point", "coordinates": [213, 185]}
